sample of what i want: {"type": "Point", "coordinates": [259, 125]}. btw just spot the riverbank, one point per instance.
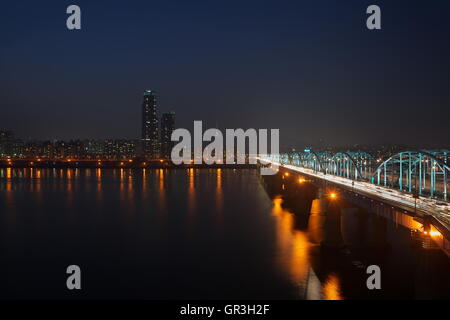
{"type": "Point", "coordinates": [122, 163]}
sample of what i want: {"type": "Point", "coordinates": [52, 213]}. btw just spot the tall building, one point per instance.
{"type": "Point", "coordinates": [150, 134]}
{"type": "Point", "coordinates": [167, 127]}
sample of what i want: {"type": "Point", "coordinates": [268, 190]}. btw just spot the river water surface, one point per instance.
{"type": "Point", "coordinates": [203, 233]}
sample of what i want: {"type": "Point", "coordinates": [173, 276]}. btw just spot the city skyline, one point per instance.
{"type": "Point", "coordinates": [154, 142]}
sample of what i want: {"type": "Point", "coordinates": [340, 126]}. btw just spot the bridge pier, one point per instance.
{"type": "Point", "coordinates": [348, 225]}
{"type": "Point", "coordinates": [333, 236]}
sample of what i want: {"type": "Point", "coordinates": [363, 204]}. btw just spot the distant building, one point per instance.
{"type": "Point", "coordinates": [6, 143]}
{"type": "Point", "coordinates": [150, 130]}
{"type": "Point", "coordinates": [167, 127]}
{"type": "Point", "coordinates": [119, 149]}
{"type": "Point", "coordinates": [94, 149]}
{"type": "Point", "coordinates": [6, 135]}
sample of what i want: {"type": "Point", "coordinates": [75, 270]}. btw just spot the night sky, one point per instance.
{"type": "Point", "coordinates": [310, 68]}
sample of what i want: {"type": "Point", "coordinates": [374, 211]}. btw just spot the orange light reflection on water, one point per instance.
{"type": "Point", "coordinates": [219, 197]}
{"type": "Point", "coordinates": [332, 288]}
{"type": "Point", "coordinates": [294, 247]}
{"type": "Point", "coordinates": [191, 203]}
{"type": "Point", "coordinates": [292, 244]}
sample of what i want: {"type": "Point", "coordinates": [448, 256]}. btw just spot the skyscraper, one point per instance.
{"type": "Point", "coordinates": [150, 134]}
{"type": "Point", "coordinates": [167, 127]}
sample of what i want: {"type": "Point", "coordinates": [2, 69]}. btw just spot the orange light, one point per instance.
{"type": "Point", "coordinates": [286, 174]}
{"type": "Point", "coordinates": [277, 201]}
{"type": "Point", "coordinates": [144, 163]}
{"type": "Point", "coordinates": [121, 163]}
{"type": "Point", "coordinates": [161, 161]}
{"type": "Point", "coordinates": [130, 160]}
{"type": "Point", "coordinates": [333, 195]}
{"type": "Point", "coordinates": [301, 180]}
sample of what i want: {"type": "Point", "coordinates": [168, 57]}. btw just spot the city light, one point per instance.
{"type": "Point", "coordinates": [309, 159]}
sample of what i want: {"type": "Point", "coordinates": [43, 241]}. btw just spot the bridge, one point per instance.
{"type": "Point", "coordinates": [416, 181]}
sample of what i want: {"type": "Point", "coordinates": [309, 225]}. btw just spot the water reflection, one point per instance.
{"type": "Point", "coordinates": [162, 190]}
{"type": "Point", "coordinates": [330, 242]}
{"type": "Point", "coordinates": [69, 188]}
{"type": "Point", "coordinates": [331, 288]}
{"type": "Point", "coordinates": [222, 226]}
{"type": "Point", "coordinates": [191, 198]}
{"type": "Point", "coordinates": [130, 186]}
{"type": "Point", "coordinates": [219, 197]}
{"type": "Point", "coordinates": [9, 187]}
{"type": "Point", "coordinates": [294, 248]}
{"type": "Point", "coordinates": [122, 184]}
{"type": "Point", "coordinates": [144, 181]}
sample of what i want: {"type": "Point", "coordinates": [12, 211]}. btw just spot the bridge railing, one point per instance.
{"type": "Point", "coordinates": [420, 172]}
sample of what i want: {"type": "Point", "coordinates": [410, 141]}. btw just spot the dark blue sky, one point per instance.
{"type": "Point", "coordinates": [310, 68]}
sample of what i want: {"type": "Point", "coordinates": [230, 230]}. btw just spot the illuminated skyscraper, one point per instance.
{"type": "Point", "coordinates": [150, 130]}
{"type": "Point", "coordinates": [167, 127]}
